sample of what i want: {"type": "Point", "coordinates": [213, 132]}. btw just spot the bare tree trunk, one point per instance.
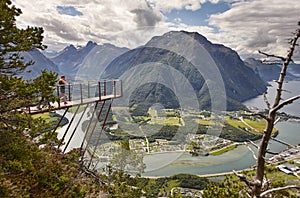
{"type": "Point", "coordinates": [260, 165]}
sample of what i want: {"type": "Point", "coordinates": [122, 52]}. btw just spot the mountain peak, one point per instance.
{"type": "Point", "coordinates": [70, 48]}
{"type": "Point", "coordinates": [91, 43]}
{"type": "Point", "coordinates": [199, 37]}
{"type": "Point", "coordinates": [176, 36]}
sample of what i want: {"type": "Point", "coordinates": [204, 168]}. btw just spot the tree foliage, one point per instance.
{"type": "Point", "coordinates": [14, 40]}
{"type": "Point", "coordinates": [25, 169]}
{"type": "Point", "coordinates": [230, 187]}
{"type": "Point", "coordinates": [126, 160]}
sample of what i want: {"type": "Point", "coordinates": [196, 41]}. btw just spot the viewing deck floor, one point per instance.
{"type": "Point", "coordinates": [60, 105]}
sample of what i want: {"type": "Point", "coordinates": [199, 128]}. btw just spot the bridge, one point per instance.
{"type": "Point", "coordinates": [93, 97]}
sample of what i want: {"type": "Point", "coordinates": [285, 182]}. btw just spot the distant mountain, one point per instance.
{"type": "Point", "coordinates": [271, 72]}
{"type": "Point", "coordinates": [69, 58]}
{"type": "Point", "coordinates": [96, 61]}
{"type": "Point", "coordinates": [88, 62]}
{"type": "Point", "coordinates": [50, 54]}
{"type": "Point", "coordinates": [40, 62]}
{"type": "Point", "coordinates": [295, 70]}
{"type": "Point", "coordinates": [179, 60]}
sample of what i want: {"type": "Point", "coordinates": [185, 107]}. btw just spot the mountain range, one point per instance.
{"type": "Point", "coordinates": [175, 68]}
{"type": "Point", "coordinates": [197, 60]}
{"type": "Point", "coordinates": [41, 62]}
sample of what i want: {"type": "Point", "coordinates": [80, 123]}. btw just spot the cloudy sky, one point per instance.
{"type": "Point", "coordinates": [243, 25]}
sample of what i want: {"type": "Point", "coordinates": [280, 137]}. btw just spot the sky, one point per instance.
{"type": "Point", "coordinates": [246, 26]}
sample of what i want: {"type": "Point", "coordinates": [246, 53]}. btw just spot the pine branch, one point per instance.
{"type": "Point", "coordinates": [278, 189]}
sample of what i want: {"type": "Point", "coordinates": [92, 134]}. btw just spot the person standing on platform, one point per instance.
{"type": "Point", "coordinates": [62, 88]}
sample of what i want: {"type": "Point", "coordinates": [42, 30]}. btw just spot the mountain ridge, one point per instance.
{"type": "Point", "coordinates": [70, 57]}
{"type": "Point", "coordinates": [241, 83]}
{"type": "Point", "coordinates": [40, 62]}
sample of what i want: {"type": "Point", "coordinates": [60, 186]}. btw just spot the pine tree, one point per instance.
{"type": "Point", "coordinates": [26, 170]}
{"type": "Point", "coordinates": [16, 92]}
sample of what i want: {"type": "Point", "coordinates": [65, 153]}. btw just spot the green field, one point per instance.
{"type": "Point", "coordinates": [81, 109]}
{"type": "Point", "coordinates": [45, 116]}
{"type": "Point", "coordinates": [203, 122]}
{"type": "Point", "coordinates": [259, 125]}
{"type": "Point", "coordinates": [223, 150]}
{"type": "Point", "coordinates": [255, 127]}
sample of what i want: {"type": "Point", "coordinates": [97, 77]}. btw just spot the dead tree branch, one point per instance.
{"type": "Point", "coordinates": [265, 62]}
{"type": "Point", "coordinates": [245, 180]}
{"type": "Point", "coordinates": [263, 148]}
{"type": "Point", "coordinates": [286, 102]}
{"type": "Point", "coordinates": [272, 55]}
{"type": "Point", "coordinates": [278, 189]}
{"type": "Point", "coordinates": [267, 101]}
{"type": "Point", "coordinates": [270, 152]}
{"type": "Point", "coordinates": [260, 115]}
{"type": "Point", "coordinates": [276, 121]}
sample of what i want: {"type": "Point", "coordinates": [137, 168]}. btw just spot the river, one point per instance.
{"type": "Point", "coordinates": [166, 164]}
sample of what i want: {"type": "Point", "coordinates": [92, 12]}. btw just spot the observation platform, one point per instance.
{"type": "Point", "coordinates": [80, 94]}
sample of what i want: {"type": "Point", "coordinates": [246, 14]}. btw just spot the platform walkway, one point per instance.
{"type": "Point", "coordinates": [81, 94]}
{"type": "Point", "coordinates": [96, 101]}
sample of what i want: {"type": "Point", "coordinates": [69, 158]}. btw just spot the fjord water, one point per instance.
{"type": "Point", "coordinates": [237, 159]}
{"type": "Point", "coordinates": [291, 89]}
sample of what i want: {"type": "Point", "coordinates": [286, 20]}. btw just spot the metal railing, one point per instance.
{"type": "Point", "coordinates": [82, 91]}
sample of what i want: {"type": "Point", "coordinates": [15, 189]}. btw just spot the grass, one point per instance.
{"type": "Point", "coordinates": [81, 109]}
{"type": "Point", "coordinates": [141, 118]}
{"type": "Point", "coordinates": [236, 123]}
{"type": "Point", "coordinates": [203, 122]}
{"type": "Point", "coordinates": [275, 175]}
{"type": "Point", "coordinates": [155, 119]}
{"type": "Point", "coordinates": [170, 113]}
{"type": "Point", "coordinates": [174, 121]}
{"type": "Point", "coordinates": [256, 126]}
{"type": "Point", "coordinates": [42, 115]}
{"type": "Point", "coordinates": [223, 150]}
{"type": "Point", "coordinates": [259, 125]}
{"type": "Point", "coordinates": [46, 116]}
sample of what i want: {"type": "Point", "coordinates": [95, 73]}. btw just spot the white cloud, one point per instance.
{"type": "Point", "coordinates": [246, 27]}
{"type": "Point", "coordinates": [101, 21]}
{"type": "Point", "coordinates": [258, 25]}
{"type": "Point", "coordinates": [167, 6]}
